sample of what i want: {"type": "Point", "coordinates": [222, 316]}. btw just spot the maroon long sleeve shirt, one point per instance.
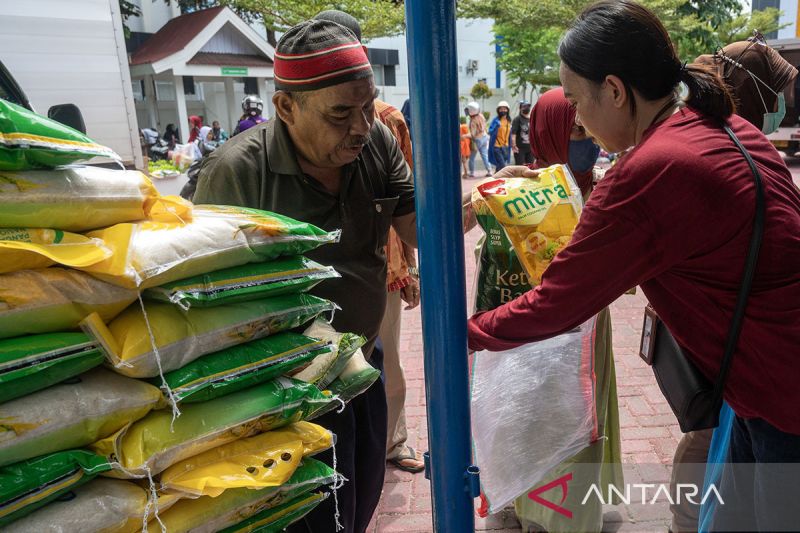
{"type": "Point", "coordinates": [675, 217]}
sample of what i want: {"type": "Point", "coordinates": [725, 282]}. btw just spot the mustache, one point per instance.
{"type": "Point", "coordinates": [354, 142]}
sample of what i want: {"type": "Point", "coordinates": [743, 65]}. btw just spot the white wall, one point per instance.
{"type": "Point", "coordinates": [66, 52]}
{"type": "Point", "coordinates": [473, 41]}
{"type": "Point", "coordinates": [789, 8]}
{"type": "Point", "coordinates": [212, 107]}
{"type": "Point", "coordinates": [154, 15]}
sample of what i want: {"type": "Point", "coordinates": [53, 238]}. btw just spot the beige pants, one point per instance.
{"type": "Point", "coordinates": [395, 379]}
{"type": "Point", "coordinates": [689, 466]}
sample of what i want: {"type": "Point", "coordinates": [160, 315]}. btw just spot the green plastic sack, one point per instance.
{"type": "Point", "coordinates": [327, 367]}
{"type": "Point", "coordinates": [28, 485]}
{"type": "Point", "coordinates": [156, 442]}
{"type": "Point", "coordinates": [208, 515]}
{"type": "Point", "coordinates": [277, 519]}
{"type": "Point", "coordinates": [55, 299]}
{"type": "Point", "coordinates": [243, 366]}
{"type": "Point", "coordinates": [74, 198]}
{"type": "Point", "coordinates": [72, 414]}
{"type": "Point", "coordinates": [102, 505]}
{"type": "Point", "coordinates": [28, 140]}
{"type": "Point", "coordinates": [244, 283]}
{"type": "Point", "coordinates": [500, 277]}
{"type": "Point", "coordinates": [32, 363]}
{"type": "Point", "coordinates": [183, 336]}
{"type": "Point", "coordinates": [355, 379]}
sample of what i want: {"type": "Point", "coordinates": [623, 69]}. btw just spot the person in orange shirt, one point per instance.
{"type": "Point", "coordinates": [466, 145]}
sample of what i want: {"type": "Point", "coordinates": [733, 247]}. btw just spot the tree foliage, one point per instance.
{"type": "Point", "coordinates": [378, 18]}
{"type": "Point", "coordinates": [529, 59]}
{"type": "Point", "coordinates": [528, 32]}
{"type": "Point", "coordinates": [480, 91]}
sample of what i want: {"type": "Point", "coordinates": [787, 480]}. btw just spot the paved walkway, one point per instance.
{"type": "Point", "coordinates": [649, 430]}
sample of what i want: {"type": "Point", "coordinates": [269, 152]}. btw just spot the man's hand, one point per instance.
{"type": "Point", "coordinates": [410, 294]}
{"type": "Point", "coordinates": [517, 172]}
{"type": "Point", "coordinates": [515, 148]}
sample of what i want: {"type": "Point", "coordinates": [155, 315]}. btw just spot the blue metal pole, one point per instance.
{"type": "Point", "coordinates": [431, 38]}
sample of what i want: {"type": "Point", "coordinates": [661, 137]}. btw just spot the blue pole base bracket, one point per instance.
{"type": "Point", "coordinates": [472, 476]}
{"type": "Point", "coordinates": [472, 481]}
{"type": "Point", "coordinates": [426, 458]}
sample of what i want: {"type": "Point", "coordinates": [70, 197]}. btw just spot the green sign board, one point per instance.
{"type": "Point", "coordinates": [234, 71]}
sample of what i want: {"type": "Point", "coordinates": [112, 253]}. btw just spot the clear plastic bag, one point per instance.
{"type": "Point", "coordinates": [532, 407]}
{"type": "Point", "coordinates": [184, 155]}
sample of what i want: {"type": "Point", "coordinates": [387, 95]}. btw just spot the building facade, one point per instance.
{"type": "Point", "coordinates": [158, 95]}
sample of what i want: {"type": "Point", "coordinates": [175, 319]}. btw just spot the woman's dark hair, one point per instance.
{"type": "Point", "coordinates": [625, 39]}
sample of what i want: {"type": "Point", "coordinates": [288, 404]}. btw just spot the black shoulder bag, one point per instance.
{"type": "Point", "coordinates": [696, 401]}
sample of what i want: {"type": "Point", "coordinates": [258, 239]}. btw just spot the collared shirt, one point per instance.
{"type": "Point", "coordinates": [259, 169]}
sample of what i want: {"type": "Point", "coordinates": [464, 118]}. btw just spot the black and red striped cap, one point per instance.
{"type": "Point", "coordinates": [319, 53]}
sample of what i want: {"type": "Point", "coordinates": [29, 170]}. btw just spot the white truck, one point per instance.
{"type": "Point", "coordinates": [74, 52]}
{"type": "Point", "coordinates": [787, 138]}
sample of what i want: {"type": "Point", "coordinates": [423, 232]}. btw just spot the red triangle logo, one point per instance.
{"type": "Point", "coordinates": [560, 482]}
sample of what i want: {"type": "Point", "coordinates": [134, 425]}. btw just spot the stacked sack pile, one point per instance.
{"type": "Point", "coordinates": [150, 368]}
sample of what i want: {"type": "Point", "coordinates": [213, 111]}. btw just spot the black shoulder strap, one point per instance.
{"type": "Point", "coordinates": [749, 271]}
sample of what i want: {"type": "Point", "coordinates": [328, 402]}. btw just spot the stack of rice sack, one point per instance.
{"type": "Point", "coordinates": [187, 307]}
{"type": "Point", "coordinates": [54, 397]}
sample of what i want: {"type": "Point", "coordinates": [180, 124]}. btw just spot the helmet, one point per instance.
{"type": "Point", "coordinates": [474, 108]}
{"type": "Point", "coordinates": [252, 104]}
{"type": "Point", "coordinates": [503, 103]}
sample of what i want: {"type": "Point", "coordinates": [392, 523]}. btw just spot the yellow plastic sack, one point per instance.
{"type": "Point", "coordinates": [55, 299]}
{"type": "Point", "coordinates": [158, 441]}
{"type": "Point", "coordinates": [538, 215]}
{"type": "Point", "coordinates": [74, 198]}
{"type": "Point", "coordinates": [265, 460]}
{"type": "Point", "coordinates": [154, 252]}
{"type": "Point", "coordinates": [210, 515]}
{"type": "Point", "coordinates": [102, 505]}
{"type": "Point", "coordinates": [183, 336]}
{"type": "Point", "coordinates": [26, 248]}
{"type": "Point", "coordinates": [72, 414]}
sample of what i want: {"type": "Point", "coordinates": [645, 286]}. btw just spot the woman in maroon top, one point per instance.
{"type": "Point", "coordinates": [674, 216]}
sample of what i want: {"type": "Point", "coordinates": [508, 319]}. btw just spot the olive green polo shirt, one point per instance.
{"type": "Point", "coordinates": [259, 169]}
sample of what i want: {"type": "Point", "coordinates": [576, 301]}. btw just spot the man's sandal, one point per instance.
{"type": "Point", "coordinates": [409, 455]}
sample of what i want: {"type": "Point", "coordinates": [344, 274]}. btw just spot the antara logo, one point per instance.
{"type": "Point", "coordinates": [660, 491]}
{"type": "Point", "coordinates": [531, 200]}
{"type": "Point", "coordinates": [563, 484]}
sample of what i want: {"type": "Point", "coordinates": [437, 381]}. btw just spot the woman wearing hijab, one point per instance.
{"type": "Point", "coordinates": [195, 123]}
{"type": "Point", "coordinates": [205, 142]}
{"type": "Point", "coordinates": [757, 76]}
{"type": "Point", "coordinates": [555, 138]}
{"type": "Point", "coordinates": [675, 216]}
